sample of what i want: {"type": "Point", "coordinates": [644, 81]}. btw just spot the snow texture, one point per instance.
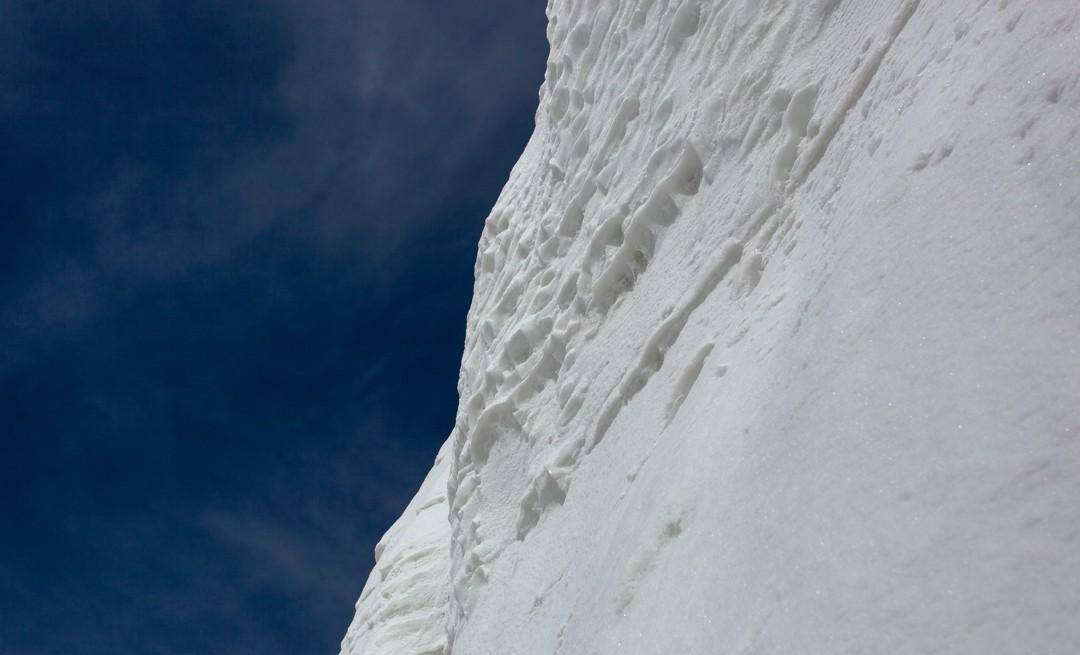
{"type": "Point", "coordinates": [773, 348]}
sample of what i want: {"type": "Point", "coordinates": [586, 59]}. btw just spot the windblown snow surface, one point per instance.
{"type": "Point", "coordinates": [773, 348]}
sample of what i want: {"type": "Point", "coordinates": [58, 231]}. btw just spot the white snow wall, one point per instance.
{"type": "Point", "coordinates": [773, 348]}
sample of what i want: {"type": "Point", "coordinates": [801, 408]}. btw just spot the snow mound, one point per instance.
{"type": "Point", "coordinates": [773, 347]}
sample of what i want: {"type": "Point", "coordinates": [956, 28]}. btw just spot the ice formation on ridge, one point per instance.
{"type": "Point", "coordinates": [773, 346]}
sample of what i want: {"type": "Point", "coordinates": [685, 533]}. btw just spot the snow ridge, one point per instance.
{"type": "Point", "coordinates": [773, 346]}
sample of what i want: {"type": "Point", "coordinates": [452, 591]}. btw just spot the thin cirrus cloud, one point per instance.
{"type": "Point", "coordinates": [351, 140]}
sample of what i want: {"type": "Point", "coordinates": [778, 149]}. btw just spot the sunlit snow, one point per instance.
{"type": "Point", "coordinates": [773, 347]}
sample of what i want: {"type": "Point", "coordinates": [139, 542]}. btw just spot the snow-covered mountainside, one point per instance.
{"type": "Point", "coordinates": [774, 345]}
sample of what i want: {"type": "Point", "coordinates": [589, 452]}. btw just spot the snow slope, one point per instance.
{"type": "Point", "coordinates": [774, 345]}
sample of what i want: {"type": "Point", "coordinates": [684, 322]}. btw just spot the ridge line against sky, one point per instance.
{"type": "Point", "coordinates": [238, 254]}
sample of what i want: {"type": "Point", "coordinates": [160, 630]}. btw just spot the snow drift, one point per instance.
{"type": "Point", "coordinates": [773, 348]}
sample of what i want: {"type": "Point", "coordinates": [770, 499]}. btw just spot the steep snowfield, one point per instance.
{"type": "Point", "coordinates": [774, 345]}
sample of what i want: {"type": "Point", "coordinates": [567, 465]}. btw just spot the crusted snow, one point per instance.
{"type": "Point", "coordinates": [773, 347]}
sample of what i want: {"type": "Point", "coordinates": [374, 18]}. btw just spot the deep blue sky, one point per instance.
{"type": "Point", "coordinates": [237, 246]}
